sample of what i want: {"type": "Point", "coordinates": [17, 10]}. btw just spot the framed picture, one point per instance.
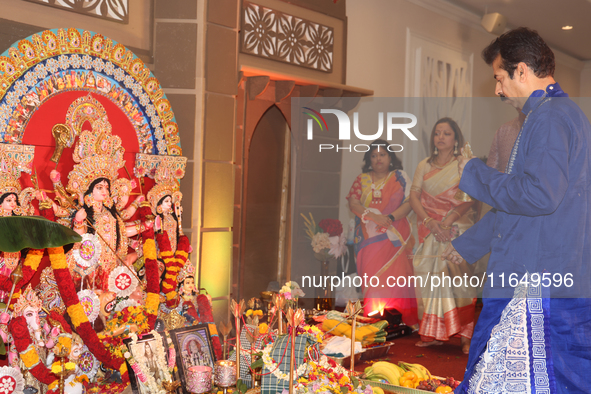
{"type": "Point", "coordinates": [193, 348]}
{"type": "Point", "coordinates": [147, 348]}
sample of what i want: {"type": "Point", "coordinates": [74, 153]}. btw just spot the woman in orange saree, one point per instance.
{"type": "Point", "coordinates": [383, 237]}
{"type": "Point", "coordinates": [444, 310]}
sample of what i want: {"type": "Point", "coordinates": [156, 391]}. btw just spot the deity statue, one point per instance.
{"type": "Point", "coordinates": [29, 306]}
{"type": "Point", "coordinates": [165, 200]}
{"type": "Point", "coordinates": [98, 156]}
{"type": "Point", "coordinates": [13, 202]}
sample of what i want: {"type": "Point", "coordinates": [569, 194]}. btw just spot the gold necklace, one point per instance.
{"type": "Point", "coordinates": [436, 161]}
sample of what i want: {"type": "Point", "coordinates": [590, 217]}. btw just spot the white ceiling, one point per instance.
{"type": "Point", "coordinates": [545, 16]}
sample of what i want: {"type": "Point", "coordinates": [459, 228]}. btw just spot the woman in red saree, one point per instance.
{"type": "Point", "coordinates": [383, 237]}
{"type": "Point", "coordinates": [444, 311]}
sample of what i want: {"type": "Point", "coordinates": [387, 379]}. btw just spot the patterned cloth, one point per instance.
{"type": "Point", "coordinates": [518, 357]}
{"type": "Point", "coordinates": [281, 354]}
{"type": "Point", "coordinates": [245, 360]}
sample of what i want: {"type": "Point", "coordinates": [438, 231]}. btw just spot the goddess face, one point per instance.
{"type": "Point", "coordinates": [9, 203]}
{"type": "Point", "coordinates": [166, 204]}
{"type": "Point", "coordinates": [100, 191]}
{"type": "Point", "coordinates": [188, 286]}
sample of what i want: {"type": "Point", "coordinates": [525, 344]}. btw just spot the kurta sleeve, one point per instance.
{"type": "Point", "coordinates": [541, 187]}
{"type": "Point", "coordinates": [475, 242]}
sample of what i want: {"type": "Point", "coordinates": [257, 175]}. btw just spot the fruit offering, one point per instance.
{"type": "Point", "coordinates": [437, 386]}
{"type": "Point", "coordinates": [383, 370]}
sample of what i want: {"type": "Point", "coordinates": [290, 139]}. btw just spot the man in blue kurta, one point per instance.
{"type": "Point", "coordinates": [532, 335]}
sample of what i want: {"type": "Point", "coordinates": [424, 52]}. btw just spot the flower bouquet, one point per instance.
{"type": "Point", "coordinates": [328, 241]}
{"type": "Point", "coordinates": [291, 291]}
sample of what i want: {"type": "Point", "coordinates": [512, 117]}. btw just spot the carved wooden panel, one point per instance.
{"type": "Point", "coordinates": [113, 10]}
{"type": "Point", "coordinates": [286, 38]}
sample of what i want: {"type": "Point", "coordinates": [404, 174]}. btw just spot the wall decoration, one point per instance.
{"type": "Point", "coordinates": [52, 62]}
{"type": "Point", "coordinates": [112, 10]}
{"type": "Point", "coordinates": [287, 38]}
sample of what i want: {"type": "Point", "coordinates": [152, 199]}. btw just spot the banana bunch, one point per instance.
{"type": "Point", "coordinates": [383, 370]}
{"type": "Point", "coordinates": [421, 372]}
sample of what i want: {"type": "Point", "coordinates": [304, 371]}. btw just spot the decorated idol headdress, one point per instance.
{"type": "Point", "coordinates": [13, 160]}
{"type": "Point", "coordinates": [28, 299]}
{"type": "Point", "coordinates": [166, 171]}
{"type": "Point", "coordinates": [98, 153]}
{"type": "Point", "coordinates": [187, 270]}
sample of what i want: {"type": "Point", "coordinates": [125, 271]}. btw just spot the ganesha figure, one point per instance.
{"type": "Point", "coordinates": [29, 306]}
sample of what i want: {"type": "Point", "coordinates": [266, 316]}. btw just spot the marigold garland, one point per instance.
{"type": "Point", "coordinates": [30, 267]}
{"type": "Point", "coordinates": [77, 314]}
{"type": "Point", "coordinates": [28, 354]}
{"type": "Point", "coordinates": [79, 319]}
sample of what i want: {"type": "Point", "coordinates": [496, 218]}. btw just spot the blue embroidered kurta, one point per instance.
{"type": "Point", "coordinates": [540, 223]}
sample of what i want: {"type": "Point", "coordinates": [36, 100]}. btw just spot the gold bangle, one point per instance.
{"type": "Point", "coordinates": [427, 220]}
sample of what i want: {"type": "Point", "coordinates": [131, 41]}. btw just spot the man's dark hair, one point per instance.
{"type": "Point", "coordinates": [521, 45]}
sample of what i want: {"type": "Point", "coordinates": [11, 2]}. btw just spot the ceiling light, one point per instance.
{"type": "Point", "coordinates": [567, 27]}
{"type": "Point", "coordinates": [494, 23]}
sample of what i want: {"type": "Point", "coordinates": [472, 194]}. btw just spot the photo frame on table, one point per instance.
{"type": "Point", "coordinates": [193, 348]}
{"type": "Point", "coordinates": [139, 349]}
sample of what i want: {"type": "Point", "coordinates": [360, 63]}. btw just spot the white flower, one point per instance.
{"type": "Point", "coordinates": [75, 61]}
{"type": "Point", "coordinates": [161, 145]}
{"type": "Point", "coordinates": [30, 79]}
{"type": "Point", "coordinates": [128, 81]}
{"type": "Point", "coordinates": [150, 110]}
{"type": "Point", "coordinates": [337, 245]}
{"type": "Point", "coordinates": [109, 68]}
{"type": "Point", "coordinates": [64, 62]}
{"type": "Point", "coordinates": [137, 89]}
{"type": "Point", "coordinates": [123, 281]}
{"type": "Point", "coordinates": [11, 99]}
{"type": "Point", "coordinates": [98, 64]}
{"type": "Point", "coordinates": [144, 99]}
{"type": "Point", "coordinates": [7, 385]}
{"type": "Point", "coordinates": [155, 121]}
{"type": "Point", "coordinates": [320, 241]}
{"type": "Point", "coordinates": [20, 87]}
{"type": "Point", "coordinates": [119, 75]}
{"type": "Point", "coordinates": [52, 65]}
{"type": "Point", "coordinates": [87, 62]}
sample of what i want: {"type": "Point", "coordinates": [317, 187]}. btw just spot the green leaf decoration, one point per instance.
{"type": "Point", "coordinates": [2, 347]}
{"type": "Point", "coordinates": [20, 232]}
{"type": "Point", "coordinates": [257, 364]}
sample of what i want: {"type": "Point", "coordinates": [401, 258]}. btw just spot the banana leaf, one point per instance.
{"type": "Point", "coordinates": [20, 232]}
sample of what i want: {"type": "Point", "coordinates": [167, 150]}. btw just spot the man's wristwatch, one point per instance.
{"type": "Point", "coordinates": [392, 217]}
